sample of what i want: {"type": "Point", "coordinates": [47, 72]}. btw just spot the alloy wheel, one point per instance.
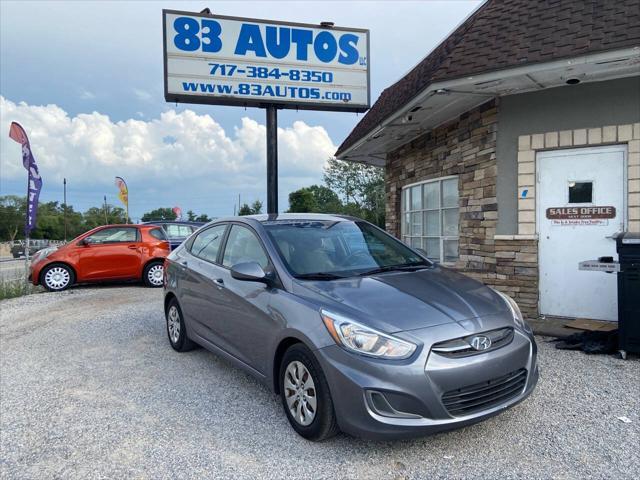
{"type": "Point", "coordinates": [155, 275]}
{"type": "Point", "coordinates": [173, 324]}
{"type": "Point", "coordinates": [300, 393]}
{"type": "Point", "coordinates": [57, 278]}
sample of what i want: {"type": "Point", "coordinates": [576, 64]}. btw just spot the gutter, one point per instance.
{"type": "Point", "coordinates": [460, 82]}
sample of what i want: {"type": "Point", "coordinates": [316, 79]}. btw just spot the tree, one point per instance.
{"type": "Point", "coordinates": [95, 216]}
{"type": "Point", "coordinates": [245, 209]}
{"type": "Point", "coordinates": [202, 218]}
{"type": "Point", "coordinates": [191, 216]}
{"type": "Point", "coordinates": [302, 201]}
{"type": "Point", "coordinates": [360, 186]}
{"type": "Point", "coordinates": [253, 209]}
{"type": "Point", "coordinates": [316, 198]}
{"type": "Point", "coordinates": [12, 214]}
{"type": "Point", "coordinates": [352, 180]}
{"type": "Point", "coordinates": [256, 207]}
{"type": "Point", "coordinates": [159, 214]}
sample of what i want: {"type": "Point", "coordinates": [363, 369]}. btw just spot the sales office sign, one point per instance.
{"type": "Point", "coordinates": [593, 215]}
{"type": "Point", "coordinates": [239, 61]}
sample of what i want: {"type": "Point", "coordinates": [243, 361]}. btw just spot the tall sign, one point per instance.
{"type": "Point", "coordinates": [240, 61]}
{"type": "Point", "coordinates": [220, 60]}
{"type": "Point", "coordinates": [34, 181]}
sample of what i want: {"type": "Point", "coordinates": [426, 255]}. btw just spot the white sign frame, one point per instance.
{"type": "Point", "coordinates": [195, 62]}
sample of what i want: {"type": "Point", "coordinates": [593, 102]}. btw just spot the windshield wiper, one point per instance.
{"type": "Point", "coordinates": [403, 267]}
{"type": "Point", "coordinates": [318, 276]}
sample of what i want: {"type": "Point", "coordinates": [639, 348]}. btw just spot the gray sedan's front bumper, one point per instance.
{"type": "Point", "coordinates": [415, 386]}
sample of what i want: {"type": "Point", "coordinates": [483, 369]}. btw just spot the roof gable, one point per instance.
{"type": "Point", "coordinates": [508, 33]}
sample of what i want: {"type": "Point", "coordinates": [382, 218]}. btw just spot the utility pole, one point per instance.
{"type": "Point", "coordinates": [64, 182]}
{"type": "Point", "coordinates": [106, 221]}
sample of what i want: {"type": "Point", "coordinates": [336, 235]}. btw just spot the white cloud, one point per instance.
{"type": "Point", "coordinates": [87, 95]}
{"type": "Point", "coordinates": [143, 95]}
{"type": "Point", "coordinates": [179, 149]}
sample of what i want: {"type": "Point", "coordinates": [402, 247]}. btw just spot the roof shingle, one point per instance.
{"type": "Point", "coordinates": [509, 33]}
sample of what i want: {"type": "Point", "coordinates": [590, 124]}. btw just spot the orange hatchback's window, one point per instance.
{"type": "Point", "coordinates": [115, 235]}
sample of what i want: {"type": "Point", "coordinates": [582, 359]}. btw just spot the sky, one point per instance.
{"type": "Point", "coordinates": [85, 80]}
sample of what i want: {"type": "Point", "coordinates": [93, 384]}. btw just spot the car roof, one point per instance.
{"type": "Point", "coordinates": [263, 217]}
{"type": "Point", "coordinates": [181, 222]}
{"type": "Point", "coordinates": [111, 225]}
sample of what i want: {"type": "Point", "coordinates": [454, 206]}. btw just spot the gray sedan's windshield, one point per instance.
{"type": "Point", "coordinates": [326, 249]}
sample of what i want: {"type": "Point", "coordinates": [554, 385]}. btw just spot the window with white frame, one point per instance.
{"type": "Point", "coordinates": [430, 218]}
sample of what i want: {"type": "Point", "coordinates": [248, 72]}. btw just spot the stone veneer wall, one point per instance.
{"type": "Point", "coordinates": [466, 147]}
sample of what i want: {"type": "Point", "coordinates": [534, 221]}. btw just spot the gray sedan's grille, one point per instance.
{"type": "Point", "coordinates": [461, 347]}
{"type": "Point", "coordinates": [485, 395]}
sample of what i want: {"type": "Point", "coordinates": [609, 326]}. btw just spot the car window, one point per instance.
{"type": "Point", "coordinates": [207, 243]}
{"type": "Point", "coordinates": [175, 230]}
{"type": "Point", "coordinates": [158, 233]}
{"type": "Point", "coordinates": [114, 235]}
{"type": "Point", "coordinates": [243, 246]}
{"type": "Point", "coordinates": [339, 248]}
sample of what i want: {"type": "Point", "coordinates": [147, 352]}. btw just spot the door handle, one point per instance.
{"type": "Point", "coordinates": [183, 263]}
{"type": "Point", "coordinates": [133, 247]}
{"type": "Point", "coordinates": [219, 282]}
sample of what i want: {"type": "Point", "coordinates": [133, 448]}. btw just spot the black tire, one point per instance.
{"type": "Point", "coordinates": [324, 424]}
{"type": "Point", "coordinates": [180, 342]}
{"type": "Point", "coordinates": [149, 274]}
{"type": "Point", "coordinates": [57, 277]}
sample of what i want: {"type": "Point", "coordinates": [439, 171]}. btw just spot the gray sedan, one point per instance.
{"type": "Point", "coordinates": [356, 331]}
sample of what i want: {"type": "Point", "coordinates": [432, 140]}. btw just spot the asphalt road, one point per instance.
{"type": "Point", "coordinates": [90, 388]}
{"type": "Point", "coordinates": [11, 269]}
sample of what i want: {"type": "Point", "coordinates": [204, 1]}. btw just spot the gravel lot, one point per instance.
{"type": "Point", "coordinates": [90, 388]}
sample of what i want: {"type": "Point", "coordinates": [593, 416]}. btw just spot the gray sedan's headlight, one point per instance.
{"type": "Point", "coordinates": [515, 311]}
{"type": "Point", "coordinates": [365, 340]}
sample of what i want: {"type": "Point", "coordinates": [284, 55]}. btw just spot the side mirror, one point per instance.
{"type": "Point", "coordinates": [250, 271]}
{"type": "Point", "coordinates": [85, 242]}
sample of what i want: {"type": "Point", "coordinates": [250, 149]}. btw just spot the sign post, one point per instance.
{"type": "Point", "coordinates": [64, 184]}
{"type": "Point", "coordinates": [272, 159]}
{"type": "Point", "coordinates": [221, 60]}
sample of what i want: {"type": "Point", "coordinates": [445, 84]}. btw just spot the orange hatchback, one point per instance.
{"type": "Point", "coordinates": [111, 252]}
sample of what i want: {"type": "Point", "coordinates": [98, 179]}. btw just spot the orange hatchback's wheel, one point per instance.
{"type": "Point", "coordinates": [153, 275]}
{"type": "Point", "coordinates": [56, 278]}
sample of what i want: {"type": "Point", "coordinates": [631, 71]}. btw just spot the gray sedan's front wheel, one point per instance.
{"type": "Point", "coordinates": [305, 395]}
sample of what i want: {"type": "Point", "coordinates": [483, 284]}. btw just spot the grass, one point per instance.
{"type": "Point", "coordinates": [16, 288]}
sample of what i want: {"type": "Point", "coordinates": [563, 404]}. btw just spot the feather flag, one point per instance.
{"type": "Point", "coordinates": [178, 211]}
{"type": "Point", "coordinates": [17, 133]}
{"type": "Point", "coordinates": [123, 193]}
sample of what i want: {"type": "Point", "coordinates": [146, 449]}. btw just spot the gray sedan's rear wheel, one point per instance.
{"type": "Point", "coordinates": [176, 330]}
{"type": "Point", "coordinates": [305, 395]}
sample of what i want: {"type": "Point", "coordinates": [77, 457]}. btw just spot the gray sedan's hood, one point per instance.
{"type": "Point", "coordinates": [400, 301]}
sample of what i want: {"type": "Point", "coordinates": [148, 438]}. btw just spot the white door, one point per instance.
{"type": "Point", "coordinates": [574, 189]}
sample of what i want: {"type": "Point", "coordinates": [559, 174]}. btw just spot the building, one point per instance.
{"type": "Point", "coordinates": [512, 151]}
